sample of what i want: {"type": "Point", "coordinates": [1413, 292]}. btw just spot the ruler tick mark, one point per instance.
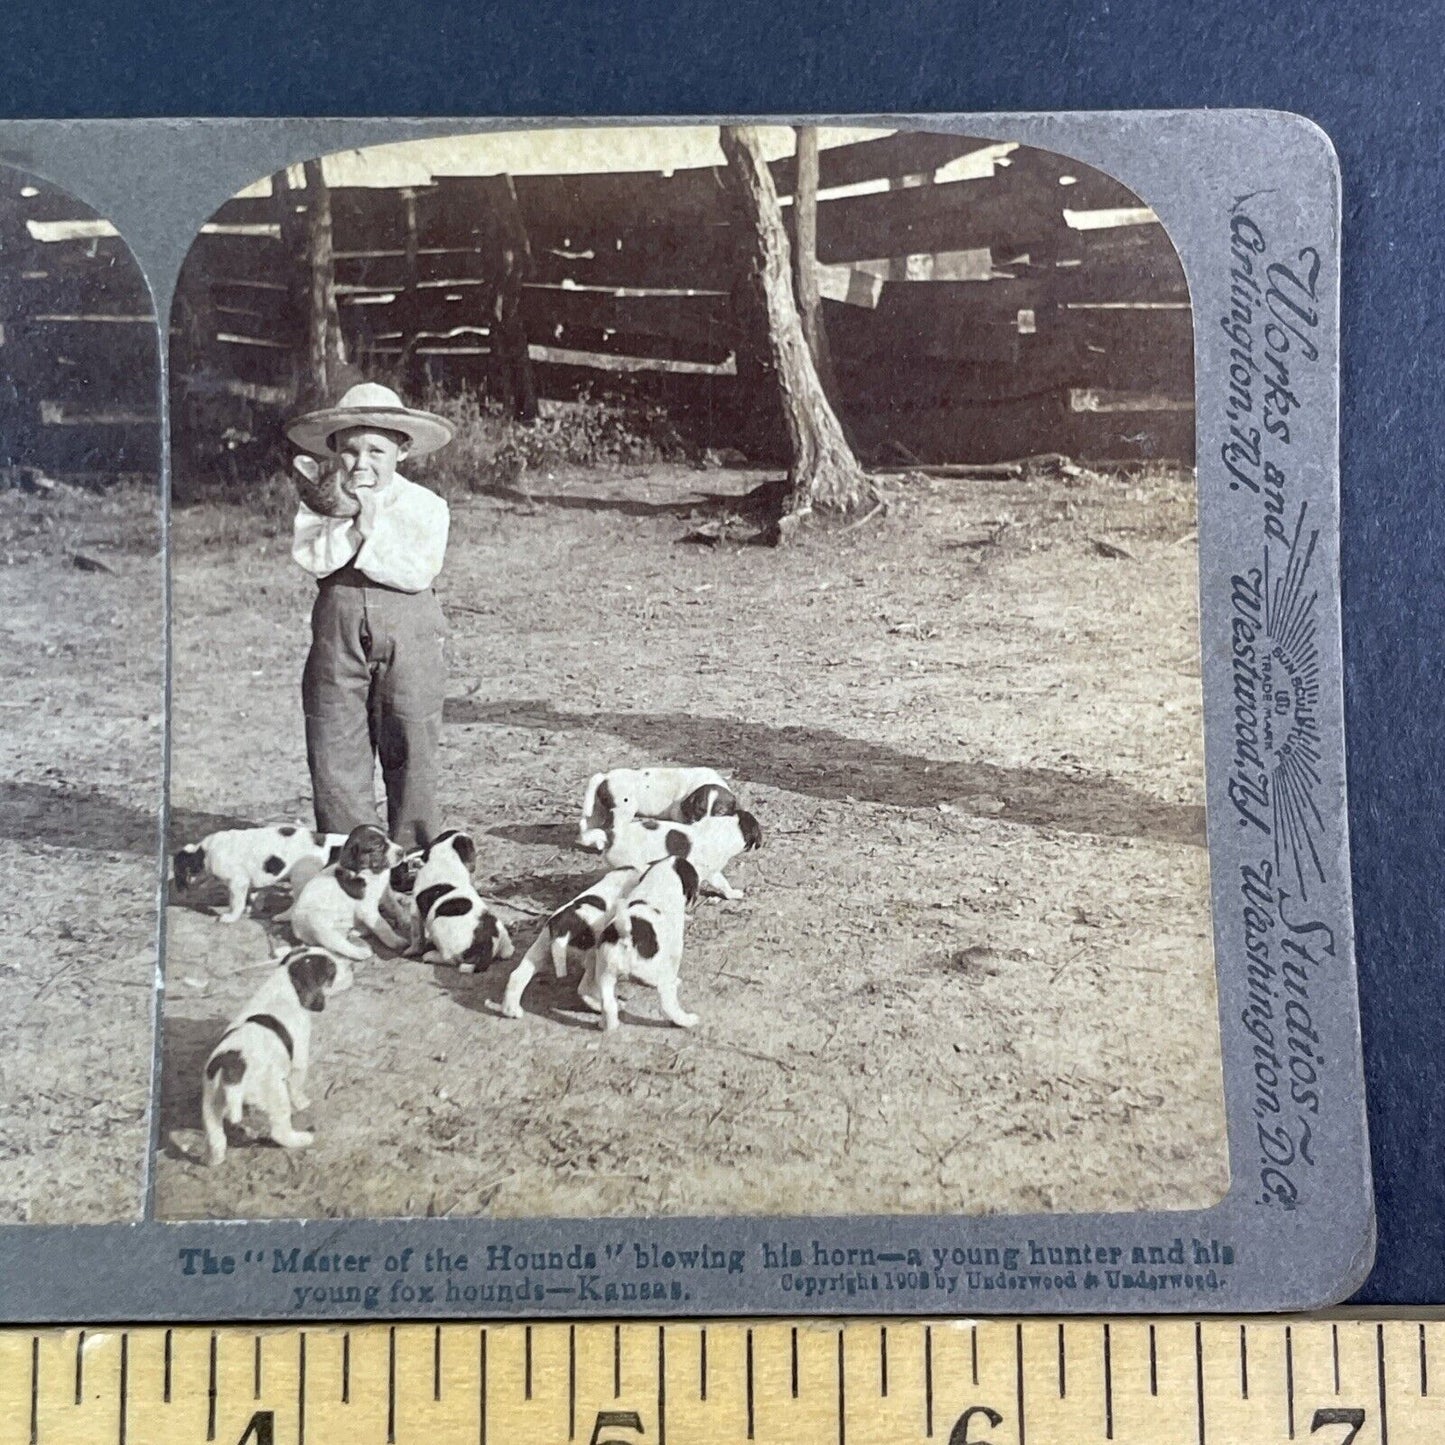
{"type": "Point", "coordinates": [211, 1393]}
{"type": "Point", "coordinates": [300, 1386]}
{"type": "Point", "coordinates": [1153, 1364]}
{"type": "Point", "coordinates": [256, 1368]}
{"type": "Point", "coordinates": [80, 1367]}
{"type": "Point", "coordinates": [124, 1383]}
{"type": "Point", "coordinates": [391, 1386]}
{"type": "Point", "coordinates": [702, 1365]}
{"type": "Point", "coordinates": [1019, 1375]}
{"type": "Point", "coordinates": [482, 1389]}
{"type": "Point", "coordinates": [795, 1362]}
{"type": "Point", "coordinates": [1108, 1385]}
{"type": "Point", "coordinates": [527, 1365]}
{"type": "Point", "coordinates": [1063, 1368]}
{"type": "Point", "coordinates": [1380, 1367]}
{"type": "Point", "coordinates": [1335, 1351]}
{"type": "Point", "coordinates": [928, 1380]}
{"type": "Point", "coordinates": [166, 1377]}
{"type": "Point", "coordinates": [883, 1361]}
{"type": "Point", "coordinates": [571, 1382]}
{"type": "Point", "coordinates": [1199, 1379]}
{"type": "Point", "coordinates": [436, 1364]}
{"type": "Point", "coordinates": [1243, 1364]}
{"type": "Point", "coordinates": [34, 1389]}
{"type": "Point", "coordinates": [346, 1368]}
{"type": "Point", "coordinates": [750, 1384]}
{"type": "Point", "coordinates": [616, 1362]}
{"type": "Point", "coordinates": [1289, 1379]}
{"type": "Point", "coordinates": [973, 1350]}
{"type": "Point", "coordinates": [661, 1385]}
{"type": "Point", "coordinates": [1424, 1370]}
{"type": "Point", "coordinates": [842, 1394]}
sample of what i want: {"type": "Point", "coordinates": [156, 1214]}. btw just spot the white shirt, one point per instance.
{"type": "Point", "coordinates": [405, 550]}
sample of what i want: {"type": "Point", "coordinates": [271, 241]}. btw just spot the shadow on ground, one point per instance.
{"type": "Point", "coordinates": [825, 764]}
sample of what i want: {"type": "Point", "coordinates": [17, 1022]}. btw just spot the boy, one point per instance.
{"type": "Point", "coordinates": [374, 682]}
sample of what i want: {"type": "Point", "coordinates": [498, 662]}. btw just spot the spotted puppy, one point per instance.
{"type": "Point", "coordinates": [347, 895]}
{"type": "Point", "coordinates": [571, 932]}
{"type": "Point", "coordinates": [398, 900]}
{"type": "Point", "coordinates": [681, 794]}
{"type": "Point", "coordinates": [709, 845]}
{"type": "Point", "coordinates": [247, 858]}
{"type": "Point", "coordinates": [448, 858]}
{"type": "Point", "coordinates": [262, 1058]}
{"type": "Point", "coordinates": [642, 939]}
{"type": "Point", "coordinates": [320, 484]}
{"type": "Point", "coordinates": [460, 928]}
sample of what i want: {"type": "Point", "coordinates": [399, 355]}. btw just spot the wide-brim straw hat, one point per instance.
{"type": "Point", "coordinates": [369, 404]}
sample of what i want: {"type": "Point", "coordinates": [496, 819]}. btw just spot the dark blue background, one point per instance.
{"type": "Point", "coordinates": [1369, 75]}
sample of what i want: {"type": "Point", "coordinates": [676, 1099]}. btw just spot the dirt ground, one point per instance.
{"type": "Point", "coordinates": [972, 971]}
{"type": "Point", "coordinates": [81, 738]}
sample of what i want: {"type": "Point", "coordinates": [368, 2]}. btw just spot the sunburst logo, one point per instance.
{"type": "Point", "coordinates": [1275, 774]}
{"type": "Point", "coordinates": [1290, 680]}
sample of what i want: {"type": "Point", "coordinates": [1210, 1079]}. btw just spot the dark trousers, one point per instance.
{"type": "Point", "coordinates": [373, 689]}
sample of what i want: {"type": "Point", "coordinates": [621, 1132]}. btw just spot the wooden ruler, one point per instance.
{"type": "Point", "coordinates": [995, 1382]}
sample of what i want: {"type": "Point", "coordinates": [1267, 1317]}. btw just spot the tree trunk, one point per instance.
{"type": "Point", "coordinates": [824, 475]}
{"type": "Point", "coordinates": [408, 308]}
{"type": "Point", "coordinates": [509, 332]}
{"type": "Point", "coordinates": [325, 350]}
{"type": "Point", "coordinates": [805, 259]}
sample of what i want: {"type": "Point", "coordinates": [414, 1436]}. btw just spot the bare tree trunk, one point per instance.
{"type": "Point", "coordinates": [824, 475]}
{"type": "Point", "coordinates": [325, 350]}
{"type": "Point", "coordinates": [805, 258]}
{"type": "Point", "coordinates": [412, 368]}
{"type": "Point", "coordinates": [509, 332]}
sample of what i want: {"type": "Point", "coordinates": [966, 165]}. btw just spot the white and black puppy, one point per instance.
{"type": "Point", "coordinates": [709, 845]}
{"type": "Point", "coordinates": [263, 1057]}
{"type": "Point", "coordinates": [682, 794]}
{"type": "Point", "coordinates": [347, 895]}
{"type": "Point", "coordinates": [448, 858]}
{"type": "Point", "coordinates": [398, 900]}
{"type": "Point", "coordinates": [460, 928]}
{"type": "Point", "coordinates": [247, 858]}
{"type": "Point", "coordinates": [571, 932]}
{"type": "Point", "coordinates": [642, 939]}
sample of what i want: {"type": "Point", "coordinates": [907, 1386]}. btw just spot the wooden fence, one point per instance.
{"type": "Point", "coordinates": [79, 350]}
{"type": "Point", "coordinates": [982, 302]}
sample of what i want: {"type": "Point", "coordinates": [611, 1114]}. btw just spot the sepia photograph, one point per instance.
{"type": "Point", "coordinates": [686, 689]}
{"type": "Point", "coordinates": [82, 709]}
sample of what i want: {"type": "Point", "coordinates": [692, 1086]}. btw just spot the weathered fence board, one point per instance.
{"type": "Point", "coordinates": [79, 350]}
{"type": "Point", "coordinates": [906, 153]}
{"type": "Point", "coordinates": [956, 216]}
{"type": "Point", "coordinates": [622, 264]}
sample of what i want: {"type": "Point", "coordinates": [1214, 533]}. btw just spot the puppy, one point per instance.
{"type": "Point", "coordinates": [247, 858]}
{"type": "Point", "coordinates": [319, 485]}
{"type": "Point", "coordinates": [398, 900]}
{"type": "Point", "coordinates": [628, 793]}
{"type": "Point", "coordinates": [642, 939]}
{"type": "Point", "coordinates": [460, 927]}
{"type": "Point", "coordinates": [263, 1057]}
{"type": "Point", "coordinates": [347, 895]}
{"type": "Point", "coordinates": [709, 845]}
{"type": "Point", "coordinates": [571, 930]}
{"type": "Point", "coordinates": [448, 858]}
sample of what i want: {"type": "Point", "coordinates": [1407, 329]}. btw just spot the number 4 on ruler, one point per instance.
{"type": "Point", "coordinates": [261, 1429]}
